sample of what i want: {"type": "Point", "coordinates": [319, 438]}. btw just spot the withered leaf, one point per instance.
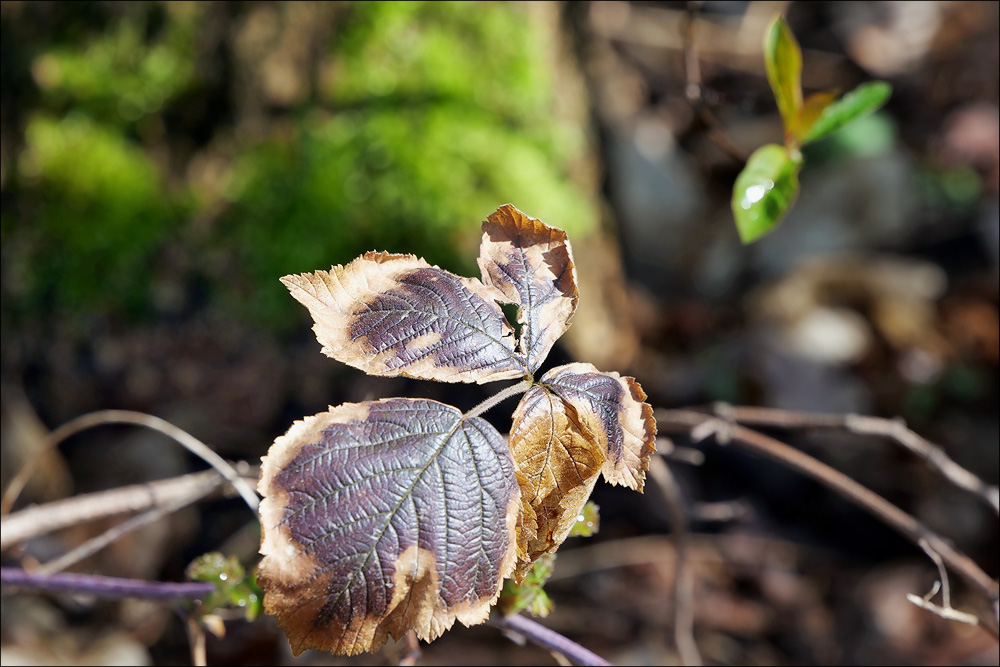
{"type": "Point", "coordinates": [382, 517]}
{"type": "Point", "coordinates": [613, 409]}
{"type": "Point", "coordinates": [397, 315]}
{"type": "Point", "coordinates": [532, 265]}
{"type": "Point", "coordinates": [557, 461]}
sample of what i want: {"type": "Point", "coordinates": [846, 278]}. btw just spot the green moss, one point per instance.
{"type": "Point", "coordinates": [95, 216]}
{"type": "Point", "coordinates": [441, 113]}
{"type": "Point", "coordinates": [122, 75]}
{"type": "Point", "coordinates": [426, 118]}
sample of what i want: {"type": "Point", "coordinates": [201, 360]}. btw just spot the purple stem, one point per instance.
{"type": "Point", "coordinates": [550, 639]}
{"type": "Point", "coordinates": [108, 587]}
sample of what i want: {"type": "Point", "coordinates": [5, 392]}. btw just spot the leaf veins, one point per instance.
{"type": "Point", "coordinates": [382, 517]}
{"type": "Point", "coordinates": [397, 315]}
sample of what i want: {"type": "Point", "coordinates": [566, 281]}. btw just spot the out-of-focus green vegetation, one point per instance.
{"type": "Point", "coordinates": [98, 214]}
{"type": "Point", "coordinates": [424, 117]}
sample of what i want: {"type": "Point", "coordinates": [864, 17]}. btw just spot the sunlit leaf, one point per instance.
{"type": "Point", "coordinates": [532, 265]}
{"type": "Point", "coordinates": [863, 100]}
{"type": "Point", "coordinates": [613, 409]}
{"type": "Point", "coordinates": [382, 517]}
{"type": "Point", "coordinates": [397, 315]}
{"type": "Point", "coordinates": [783, 61]}
{"type": "Point", "coordinates": [558, 461]}
{"type": "Point", "coordinates": [764, 191]}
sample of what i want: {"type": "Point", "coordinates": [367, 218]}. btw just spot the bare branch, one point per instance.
{"type": "Point", "coordinates": [687, 420]}
{"type": "Point", "coordinates": [945, 610]}
{"type": "Point", "coordinates": [43, 519]}
{"type": "Point", "coordinates": [538, 634]}
{"type": "Point", "coordinates": [102, 586]}
{"type": "Point", "coordinates": [98, 542]}
{"type": "Point", "coordinates": [894, 429]}
{"type": "Point", "coordinates": [188, 441]}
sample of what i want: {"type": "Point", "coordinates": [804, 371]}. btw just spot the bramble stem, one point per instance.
{"type": "Point", "coordinates": [102, 586]}
{"type": "Point", "coordinates": [497, 398]}
{"type": "Point", "coordinates": [538, 634]}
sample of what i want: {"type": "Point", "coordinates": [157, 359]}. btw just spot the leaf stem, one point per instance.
{"type": "Point", "coordinates": [102, 586]}
{"type": "Point", "coordinates": [499, 397]}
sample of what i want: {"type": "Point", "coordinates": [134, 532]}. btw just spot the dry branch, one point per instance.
{"type": "Point", "coordinates": [701, 425]}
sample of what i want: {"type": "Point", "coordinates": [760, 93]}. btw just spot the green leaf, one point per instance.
{"type": "Point", "coordinates": [529, 594]}
{"type": "Point", "coordinates": [783, 60]}
{"type": "Point", "coordinates": [588, 522]}
{"type": "Point", "coordinates": [234, 588]}
{"type": "Point", "coordinates": [861, 101]}
{"type": "Point", "coordinates": [765, 190]}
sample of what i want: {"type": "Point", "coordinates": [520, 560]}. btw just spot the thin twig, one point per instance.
{"type": "Point", "coordinates": [98, 542]}
{"type": "Point", "coordinates": [704, 425]}
{"type": "Point", "coordinates": [538, 634]}
{"type": "Point", "coordinates": [102, 586]}
{"type": "Point", "coordinates": [687, 648]}
{"type": "Point", "coordinates": [196, 637]}
{"type": "Point", "coordinates": [188, 441]}
{"type": "Point", "coordinates": [894, 429]}
{"type": "Point", "coordinates": [43, 519]}
{"type": "Point", "coordinates": [945, 611]}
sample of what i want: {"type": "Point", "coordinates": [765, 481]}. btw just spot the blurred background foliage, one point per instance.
{"type": "Point", "coordinates": [162, 164]}
{"type": "Point", "coordinates": [397, 132]}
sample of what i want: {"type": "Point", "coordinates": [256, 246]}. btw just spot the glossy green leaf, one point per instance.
{"type": "Point", "coordinates": [764, 191]}
{"type": "Point", "coordinates": [861, 101]}
{"type": "Point", "coordinates": [783, 60]}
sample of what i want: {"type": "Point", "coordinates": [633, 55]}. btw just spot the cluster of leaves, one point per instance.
{"type": "Point", "coordinates": [404, 513]}
{"type": "Point", "coordinates": [769, 183]}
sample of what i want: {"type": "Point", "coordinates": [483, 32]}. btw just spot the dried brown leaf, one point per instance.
{"type": "Point", "coordinates": [557, 461]}
{"type": "Point", "coordinates": [531, 263]}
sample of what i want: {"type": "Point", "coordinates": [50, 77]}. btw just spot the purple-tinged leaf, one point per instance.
{"type": "Point", "coordinates": [397, 315]}
{"type": "Point", "coordinates": [613, 409]}
{"type": "Point", "coordinates": [383, 517]}
{"type": "Point", "coordinates": [531, 263]}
